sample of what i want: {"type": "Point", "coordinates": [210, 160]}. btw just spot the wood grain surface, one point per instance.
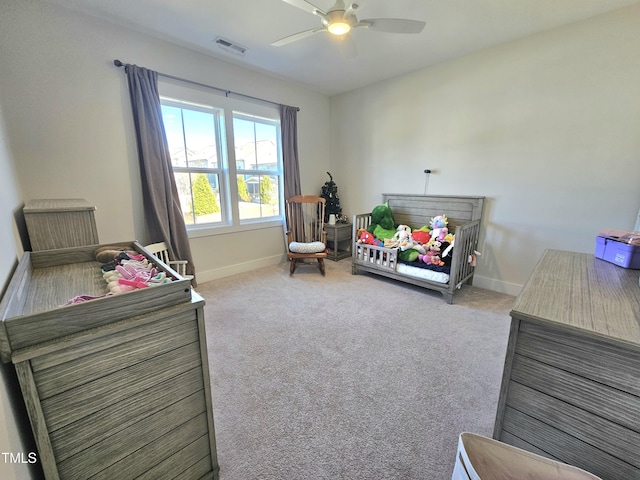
{"type": "Point", "coordinates": [571, 384]}
{"type": "Point", "coordinates": [578, 291]}
{"type": "Point", "coordinates": [60, 223]}
{"type": "Point", "coordinates": [116, 387]}
{"type": "Point", "coordinates": [45, 281]}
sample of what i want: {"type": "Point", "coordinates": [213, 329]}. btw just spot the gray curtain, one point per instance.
{"type": "Point", "coordinates": [159, 192]}
{"type": "Point", "coordinates": [291, 168]}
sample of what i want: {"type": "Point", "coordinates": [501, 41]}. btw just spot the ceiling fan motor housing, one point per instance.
{"type": "Point", "coordinates": [340, 20]}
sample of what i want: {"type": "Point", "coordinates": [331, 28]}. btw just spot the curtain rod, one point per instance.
{"type": "Point", "coordinates": [118, 63]}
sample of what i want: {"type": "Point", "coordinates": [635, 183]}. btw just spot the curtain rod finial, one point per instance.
{"type": "Point", "coordinates": [118, 63]}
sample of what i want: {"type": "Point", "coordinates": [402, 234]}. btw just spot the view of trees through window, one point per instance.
{"type": "Point", "coordinates": [257, 166]}
{"type": "Point", "coordinates": [202, 167]}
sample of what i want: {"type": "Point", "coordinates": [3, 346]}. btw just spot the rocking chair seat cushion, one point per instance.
{"type": "Point", "coordinates": [311, 247]}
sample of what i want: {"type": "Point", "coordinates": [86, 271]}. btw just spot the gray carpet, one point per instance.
{"type": "Point", "coordinates": [348, 377]}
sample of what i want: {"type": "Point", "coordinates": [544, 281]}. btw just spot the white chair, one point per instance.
{"type": "Point", "coordinates": [161, 251]}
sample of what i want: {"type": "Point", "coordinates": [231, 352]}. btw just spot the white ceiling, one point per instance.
{"type": "Point", "coordinates": [453, 28]}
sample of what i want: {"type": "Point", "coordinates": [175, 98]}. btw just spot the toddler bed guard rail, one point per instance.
{"type": "Point", "coordinates": [465, 218]}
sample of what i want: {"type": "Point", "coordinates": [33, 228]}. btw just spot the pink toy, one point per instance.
{"type": "Point", "coordinates": [432, 256]}
{"type": "Point", "coordinates": [133, 283]}
{"type": "Point", "coordinates": [439, 228]}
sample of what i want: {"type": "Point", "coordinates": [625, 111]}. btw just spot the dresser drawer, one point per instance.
{"type": "Point", "coordinates": [616, 440]}
{"type": "Point", "coordinates": [339, 232]}
{"type": "Point", "coordinates": [614, 365]}
{"type": "Point", "coordinates": [610, 403]}
{"type": "Point", "coordinates": [566, 448]}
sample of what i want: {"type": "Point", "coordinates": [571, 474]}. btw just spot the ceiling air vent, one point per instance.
{"type": "Point", "coordinates": [230, 47]}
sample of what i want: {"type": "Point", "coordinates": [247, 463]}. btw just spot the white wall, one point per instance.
{"type": "Point", "coordinates": [70, 122]}
{"type": "Point", "coordinates": [15, 435]}
{"type": "Point", "coordinates": [545, 127]}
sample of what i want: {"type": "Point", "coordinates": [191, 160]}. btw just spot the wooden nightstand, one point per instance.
{"type": "Point", "coordinates": [339, 240]}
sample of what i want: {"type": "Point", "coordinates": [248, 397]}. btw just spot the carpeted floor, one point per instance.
{"type": "Point", "coordinates": [348, 377]}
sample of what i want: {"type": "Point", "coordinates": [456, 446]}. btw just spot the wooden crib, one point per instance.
{"type": "Point", "coordinates": [465, 218]}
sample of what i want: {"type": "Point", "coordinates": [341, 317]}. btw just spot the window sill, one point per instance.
{"type": "Point", "coordinates": [209, 231]}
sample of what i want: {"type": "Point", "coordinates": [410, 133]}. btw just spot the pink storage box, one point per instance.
{"type": "Point", "coordinates": [620, 247]}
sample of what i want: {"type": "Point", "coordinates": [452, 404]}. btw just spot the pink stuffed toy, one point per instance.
{"type": "Point", "coordinates": [426, 258]}
{"type": "Point", "coordinates": [432, 256]}
{"type": "Point", "coordinates": [439, 228]}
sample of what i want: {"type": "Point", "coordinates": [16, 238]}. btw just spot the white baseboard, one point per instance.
{"type": "Point", "coordinates": [208, 275]}
{"type": "Point", "coordinates": [497, 285]}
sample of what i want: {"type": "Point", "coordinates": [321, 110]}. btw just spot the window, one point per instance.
{"type": "Point", "coordinates": [226, 159]}
{"type": "Point", "coordinates": [193, 136]}
{"type": "Point", "coordinates": [257, 166]}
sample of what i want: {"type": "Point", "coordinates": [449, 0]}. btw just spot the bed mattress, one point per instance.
{"type": "Point", "coordinates": [423, 273]}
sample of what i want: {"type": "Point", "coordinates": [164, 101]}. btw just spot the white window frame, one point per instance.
{"type": "Point", "coordinates": [220, 154]}
{"type": "Point", "coordinates": [177, 93]}
{"type": "Point", "coordinates": [259, 173]}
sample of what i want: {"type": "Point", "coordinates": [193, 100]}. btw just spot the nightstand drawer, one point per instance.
{"type": "Point", "coordinates": [339, 240]}
{"type": "Point", "coordinates": [339, 231]}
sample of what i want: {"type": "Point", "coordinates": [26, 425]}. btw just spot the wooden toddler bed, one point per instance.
{"type": "Point", "coordinates": [465, 217]}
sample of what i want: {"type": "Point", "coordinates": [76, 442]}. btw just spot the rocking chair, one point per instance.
{"type": "Point", "coordinates": [306, 238]}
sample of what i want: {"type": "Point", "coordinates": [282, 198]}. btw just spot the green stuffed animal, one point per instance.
{"type": "Point", "coordinates": [382, 224]}
{"type": "Point", "coordinates": [409, 255]}
{"type": "Point", "coordinates": [382, 233]}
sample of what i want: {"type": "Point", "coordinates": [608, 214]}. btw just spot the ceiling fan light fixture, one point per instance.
{"type": "Point", "coordinates": [339, 28]}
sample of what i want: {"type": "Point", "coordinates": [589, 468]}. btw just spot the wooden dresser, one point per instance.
{"type": "Point", "coordinates": [571, 384]}
{"type": "Point", "coordinates": [115, 387]}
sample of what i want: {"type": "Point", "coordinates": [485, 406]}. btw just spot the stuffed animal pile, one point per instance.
{"type": "Point", "coordinates": [431, 245]}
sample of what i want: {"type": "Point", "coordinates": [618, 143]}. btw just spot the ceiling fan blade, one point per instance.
{"type": "Point", "coordinates": [347, 46]}
{"type": "Point", "coordinates": [306, 6]}
{"type": "Point", "coordinates": [392, 25]}
{"type": "Point", "coordinates": [297, 36]}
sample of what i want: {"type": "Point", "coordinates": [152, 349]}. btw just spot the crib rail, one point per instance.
{"type": "Point", "coordinates": [360, 221]}
{"type": "Point", "coordinates": [384, 258]}
{"type": "Point", "coordinates": [466, 243]}
{"type": "Point", "coordinates": [380, 256]}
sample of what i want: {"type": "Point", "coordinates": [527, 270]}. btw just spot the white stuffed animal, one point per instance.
{"type": "Point", "coordinates": [402, 232]}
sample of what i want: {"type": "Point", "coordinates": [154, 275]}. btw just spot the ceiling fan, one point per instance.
{"type": "Point", "coordinates": [340, 19]}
